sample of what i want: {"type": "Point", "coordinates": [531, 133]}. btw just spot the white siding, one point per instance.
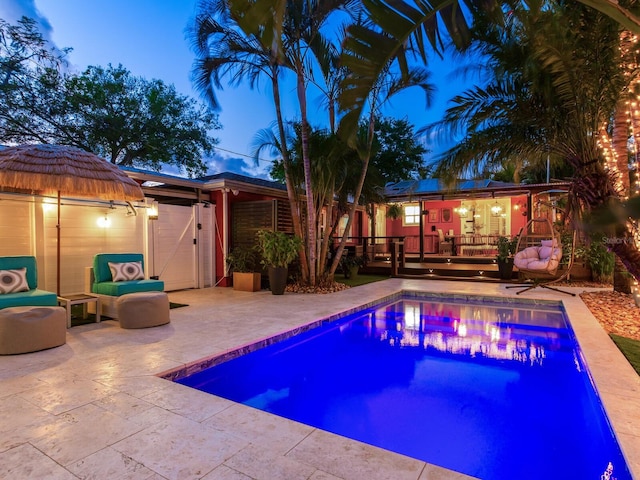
{"type": "Point", "coordinates": [15, 226]}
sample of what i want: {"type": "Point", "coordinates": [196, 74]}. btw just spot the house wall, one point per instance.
{"type": "Point", "coordinates": [442, 215]}
{"type": "Point", "coordinates": [224, 200]}
{"type": "Point", "coordinates": [28, 227]}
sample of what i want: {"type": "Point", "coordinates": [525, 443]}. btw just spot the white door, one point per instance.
{"type": "Point", "coordinates": [172, 247]}
{"type": "Point", "coordinates": [205, 264]}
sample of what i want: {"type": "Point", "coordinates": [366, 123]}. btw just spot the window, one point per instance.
{"type": "Point", "coordinates": [411, 214]}
{"type": "Point", "coordinates": [342, 224]}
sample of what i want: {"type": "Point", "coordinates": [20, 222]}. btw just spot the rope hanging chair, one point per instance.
{"type": "Point", "coordinates": [538, 256]}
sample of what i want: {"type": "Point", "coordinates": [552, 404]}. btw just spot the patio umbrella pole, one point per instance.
{"type": "Point", "coordinates": [58, 249]}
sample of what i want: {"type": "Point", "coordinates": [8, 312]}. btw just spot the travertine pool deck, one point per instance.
{"type": "Point", "coordinates": [95, 407]}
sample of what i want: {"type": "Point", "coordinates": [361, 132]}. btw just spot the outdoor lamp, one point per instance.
{"type": "Point", "coordinates": [104, 222]}
{"type": "Point", "coordinates": [462, 211]}
{"type": "Point", "coordinates": [152, 211]}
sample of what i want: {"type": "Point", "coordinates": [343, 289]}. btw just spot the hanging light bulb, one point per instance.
{"type": "Point", "coordinates": [104, 222]}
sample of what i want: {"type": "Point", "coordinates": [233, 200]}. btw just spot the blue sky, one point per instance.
{"type": "Point", "coordinates": [148, 38]}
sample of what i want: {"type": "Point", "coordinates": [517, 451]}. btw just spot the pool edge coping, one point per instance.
{"type": "Point", "coordinates": [201, 364]}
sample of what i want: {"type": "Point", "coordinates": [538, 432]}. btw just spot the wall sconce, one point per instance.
{"type": "Point", "coordinates": [462, 211]}
{"type": "Point", "coordinates": [152, 211]}
{"type": "Point", "coordinates": [496, 210]}
{"type": "Point", "coordinates": [48, 206]}
{"type": "Point", "coordinates": [104, 222]}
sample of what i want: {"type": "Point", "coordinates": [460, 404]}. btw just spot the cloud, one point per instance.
{"type": "Point", "coordinates": [14, 10]}
{"type": "Point", "coordinates": [219, 163]}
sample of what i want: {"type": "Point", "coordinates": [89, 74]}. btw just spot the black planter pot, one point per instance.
{"type": "Point", "coordinates": [278, 279]}
{"type": "Point", "coordinates": [505, 268]}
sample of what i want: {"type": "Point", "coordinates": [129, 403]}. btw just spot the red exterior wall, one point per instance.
{"type": "Point", "coordinates": [216, 199]}
{"type": "Point", "coordinates": [435, 220]}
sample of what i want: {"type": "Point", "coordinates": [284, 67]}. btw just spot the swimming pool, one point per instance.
{"type": "Point", "coordinates": [492, 389]}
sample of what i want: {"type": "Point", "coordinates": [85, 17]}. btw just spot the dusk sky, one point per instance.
{"type": "Point", "coordinates": [148, 38]}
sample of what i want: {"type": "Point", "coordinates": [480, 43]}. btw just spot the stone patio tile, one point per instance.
{"type": "Point", "coordinates": [354, 460]}
{"type": "Point", "coordinates": [109, 463]}
{"type": "Point", "coordinates": [15, 385]}
{"type": "Point", "coordinates": [124, 405]}
{"type": "Point", "coordinates": [265, 464]}
{"type": "Point", "coordinates": [187, 401]}
{"type": "Point", "coordinates": [66, 394]}
{"type": "Point", "coordinates": [320, 475]}
{"type": "Point", "coordinates": [82, 432]}
{"type": "Point", "coordinates": [180, 449]}
{"type": "Point", "coordinates": [256, 426]}
{"type": "Point", "coordinates": [20, 421]}
{"type": "Point", "coordinates": [27, 462]}
{"type": "Point", "coordinates": [135, 386]}
{"type": "Point", "coordinates": [433, 472]}
{"type": "Point", "coordinates": [225, 473]}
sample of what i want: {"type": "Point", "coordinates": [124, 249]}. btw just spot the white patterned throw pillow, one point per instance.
{"type": "Point", "coordinates": [122, 272]}
{"type": "Point", "coordinates": [12, 281]}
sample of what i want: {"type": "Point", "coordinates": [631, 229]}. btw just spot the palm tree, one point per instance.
{"type": "Point", "coordinates": [291, 31]}
{"type": "Point", "coordinates": [555, 79]}
{"type": "Point", "coordinates": [416, 25]}
{"type": "Point", "coordinates": [225, 52]}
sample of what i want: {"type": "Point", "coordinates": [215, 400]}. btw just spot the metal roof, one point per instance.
{"type": "Point", "coordinates": [434, 186]}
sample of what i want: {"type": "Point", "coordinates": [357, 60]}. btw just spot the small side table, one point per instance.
{"type": "Point", "coordinates": [80, 299]}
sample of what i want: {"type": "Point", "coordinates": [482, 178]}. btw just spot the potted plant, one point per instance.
{"type": "Point", "coordinates": [243, 261]}
{"type": "Point", "coordinates": [277, 250]}
{"type": "Point", "coordinates": [506, 249]}
{"type": "Point", "coordinates": [350, 264]}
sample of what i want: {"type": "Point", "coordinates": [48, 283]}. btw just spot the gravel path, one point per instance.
{"type": "Point", "coordinates": [616, 312]}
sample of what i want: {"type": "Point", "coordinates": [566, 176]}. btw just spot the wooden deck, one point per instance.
{"type": "Point", "coordinates": [440, 267]}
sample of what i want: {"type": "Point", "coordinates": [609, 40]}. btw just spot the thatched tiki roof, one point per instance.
{"type": "Point", "coordinates": [56, 169]}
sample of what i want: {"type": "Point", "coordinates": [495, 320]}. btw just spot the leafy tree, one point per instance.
{"type": "Point", "coordinates": [293, 33]}
{"type": "Point", "coordinates": [223, 50]}
{"type": "Point", "coordinates": [397, 153]}
{"type": "Point", "coordinates": [128, 120]}
{"type": "Point", "coordinates": [137, 122]}
{"type": "Point", "coordinates": [29, 82]}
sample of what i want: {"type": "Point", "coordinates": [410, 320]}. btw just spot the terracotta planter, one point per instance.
{"type": "Point", "coordinates": [278, 279]}
{"type": "Point", "coordinates": [246, 281]}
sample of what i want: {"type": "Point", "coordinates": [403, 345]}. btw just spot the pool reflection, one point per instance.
{"type": "Point", "coordinates": [476, 331]}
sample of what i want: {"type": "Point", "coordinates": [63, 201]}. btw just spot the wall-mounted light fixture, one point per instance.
{"type": "Point", "coordinates": [462, 210]}
{"type": "Point", "coordinates": [104, 221]}
{"type": "Point", "coordinates": [152, 211]}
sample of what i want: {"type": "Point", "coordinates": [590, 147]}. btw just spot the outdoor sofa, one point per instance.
{"type": "Point", "coordinates": [30, 297]}
{"type": "Point", "coordinates": [130, 279]}
{"type": "Point", "coordinates": [30, 318]}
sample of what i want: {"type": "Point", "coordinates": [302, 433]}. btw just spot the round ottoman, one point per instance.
{"type": "Point", "coordinates": [29, 329]}
{"type": "Point", "coordinates": [143, 309]}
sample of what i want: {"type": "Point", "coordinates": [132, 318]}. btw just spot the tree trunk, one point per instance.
{"type": "Point", "coordinates": [306, 162]}
{"type": "Point", "coordinates": [291, 192]}
{"type": "Point", "coordinates": [622, 280]}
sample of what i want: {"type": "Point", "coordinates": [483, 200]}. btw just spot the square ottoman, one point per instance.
{"type": "Point", "coordinates": [29, 329]}
{"type": "Point", "coordinates": [143, 309]}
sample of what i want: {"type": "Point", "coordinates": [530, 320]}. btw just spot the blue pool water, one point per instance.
{"type": "Point", "coordinates": [493, 390]}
